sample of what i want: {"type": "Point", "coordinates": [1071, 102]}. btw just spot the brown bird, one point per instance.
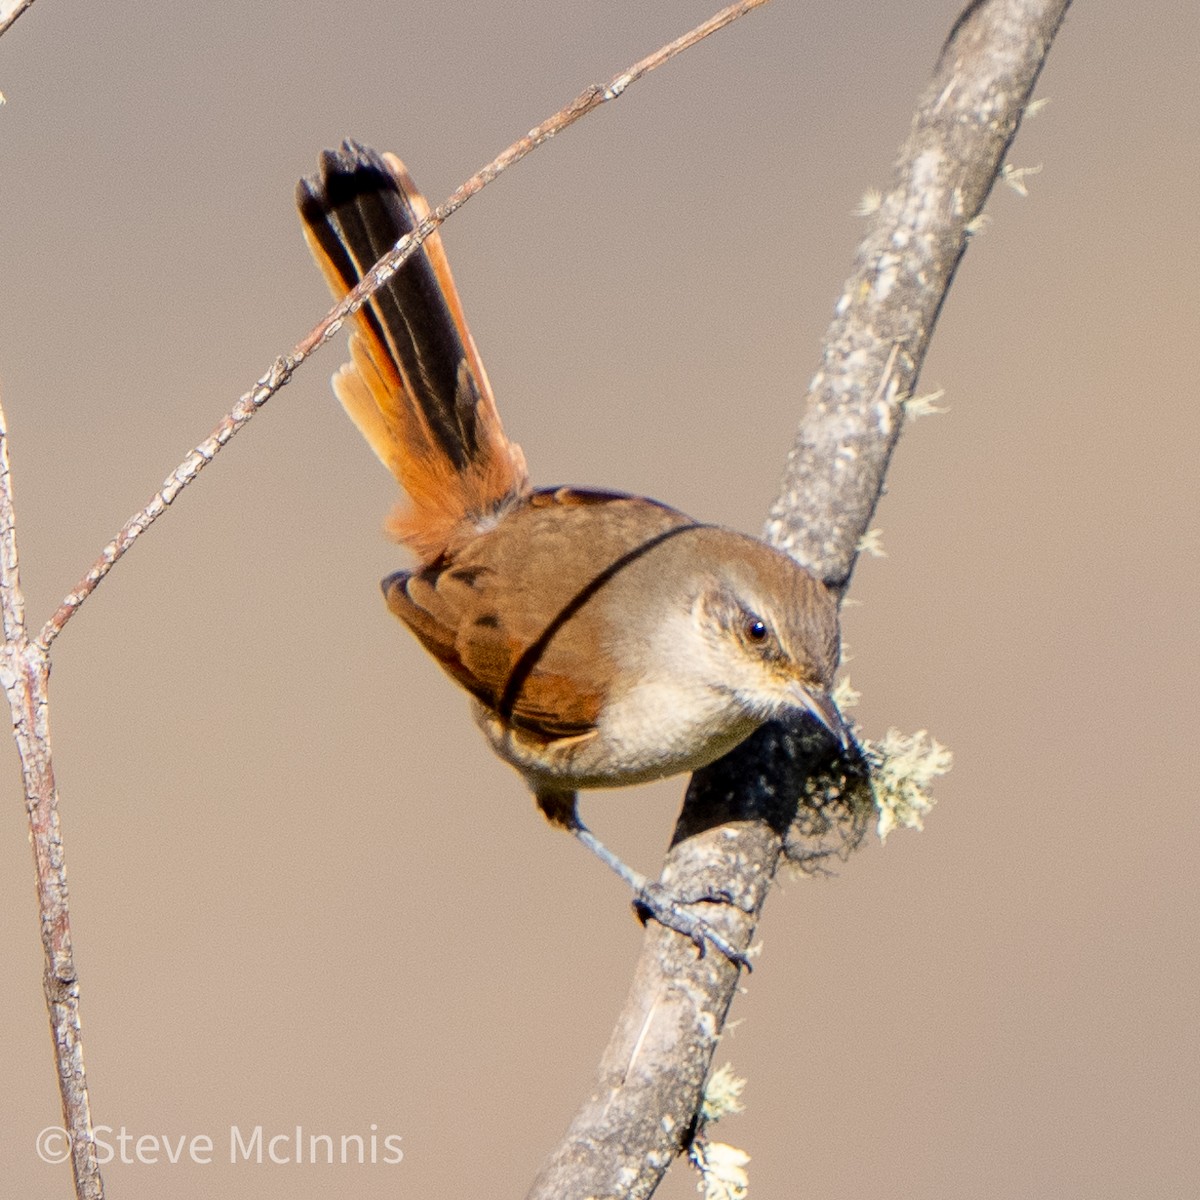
{"type": "Point", "coordinates": [606, 639]}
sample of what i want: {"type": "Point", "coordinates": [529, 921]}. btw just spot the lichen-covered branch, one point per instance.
{"type": "Point", "coordinates": [736, 820]}
{"type": "Point", "coordinates": [873, 351]}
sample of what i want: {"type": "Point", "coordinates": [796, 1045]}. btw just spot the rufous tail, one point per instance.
{"type": "Point", "coordinates": [415, 385]}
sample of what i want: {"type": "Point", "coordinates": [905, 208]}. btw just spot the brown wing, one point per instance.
{"type": "Point", "coordinates": [509, 613]}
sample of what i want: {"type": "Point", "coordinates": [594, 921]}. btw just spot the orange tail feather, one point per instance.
{"type": "Point", "coordinates": [415, 386]}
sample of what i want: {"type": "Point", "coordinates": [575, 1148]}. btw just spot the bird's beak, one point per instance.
{"type": "Point", "coordinates": [393, 586]}
{"type": "Point", "coordinates": [821, 706]}
{"type": "Point", "coordinates": [390, 581]}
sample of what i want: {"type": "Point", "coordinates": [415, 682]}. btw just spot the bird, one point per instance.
{"type": "Point", "coordinates": [605, 639]}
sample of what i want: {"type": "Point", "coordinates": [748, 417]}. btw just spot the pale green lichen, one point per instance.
{"type": "Point", "coordinates": [722, 1094]}
{"type": "Point", "coordinates": [870, 203]}
{"type": "Point", "coordinates": [924, 406]}
{"type": "Point", "coordinates": [1015, 177]}
{"type": "Point", "coordinates": [888, 781]}
{"type": "Point", "coordinates": [722, 1167]}
{"type": "Point", "coordinates": [722, 1170]}
{"type": "Point", "coordinates": [903, 768]}
{"type": "Point", "coordinates": [871, 543]}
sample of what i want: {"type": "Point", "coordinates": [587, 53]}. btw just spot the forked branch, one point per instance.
{"type": "Point", "coordinates": [25, 662]}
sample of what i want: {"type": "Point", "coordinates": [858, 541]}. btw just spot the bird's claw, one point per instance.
{"type": "Point", "coordinates": [654, 901]}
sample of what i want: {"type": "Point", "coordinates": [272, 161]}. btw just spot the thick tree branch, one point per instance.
{"type": "Point", "coordinates": [734, 826]}
{"type": "Point", "coordinates": [873, 350]}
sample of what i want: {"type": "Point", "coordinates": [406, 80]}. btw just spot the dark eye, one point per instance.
{"type": "Point", "coordinates": [755, 629]}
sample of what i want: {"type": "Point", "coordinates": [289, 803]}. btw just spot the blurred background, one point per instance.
{"type": "Point", "coordinates": [304, 891]}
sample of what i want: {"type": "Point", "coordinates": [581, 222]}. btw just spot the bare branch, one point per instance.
{"type": "Point", "coordinates": [282, 369]}
{"type": "Point", "coordinates": [25, 665]}
{"type": "Point", "coordinates": [12, 601]}
{"type": "Point", "coordinates": [10, 10]}
{"type": "Point", "coordinates": [736, 818]}
{"type": "Point", "coordinates": [24, 672]}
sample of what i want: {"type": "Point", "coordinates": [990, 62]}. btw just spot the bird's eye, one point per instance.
{"type": "Point", "coordinates": [756, 630]}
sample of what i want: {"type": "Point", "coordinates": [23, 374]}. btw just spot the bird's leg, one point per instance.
{"type": "Point", "coordinates": [650, 899]}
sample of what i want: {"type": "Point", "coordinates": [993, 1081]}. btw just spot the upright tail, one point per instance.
{"type": "Point", "coordinates": [415, 385]}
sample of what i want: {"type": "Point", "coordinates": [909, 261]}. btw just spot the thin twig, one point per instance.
{"type": "Point", "coordinates": [12, 601]}
{"type": "Point", "coordinates": [25, 672]}
{"type": "Point", "coordinates": [282, 369]}
{"type": "Point", "coordinates": [731, 834]}
{"type": "Point", "coordinates": [10, 11]}
{"type": "Point", "coordinates": [24, 665]}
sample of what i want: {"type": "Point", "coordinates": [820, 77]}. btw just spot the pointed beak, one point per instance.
{"type": "Point", "coordinates": [393, 586]}
{"type": "Point", "coordinates": [390, 581]}
{"type": "Point", "coordinates": [821, 706]}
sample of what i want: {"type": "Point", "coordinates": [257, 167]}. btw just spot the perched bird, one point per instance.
{"type": "Point", "coordinates": [606, 639]}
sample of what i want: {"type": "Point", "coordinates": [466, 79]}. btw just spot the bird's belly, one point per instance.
{"type": "Point", "coordinates": [650, 734]}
